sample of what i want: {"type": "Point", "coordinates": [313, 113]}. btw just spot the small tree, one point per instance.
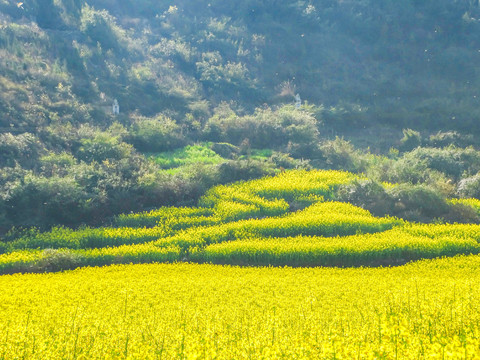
{"type": "Point", "coordinates": [411, 139]}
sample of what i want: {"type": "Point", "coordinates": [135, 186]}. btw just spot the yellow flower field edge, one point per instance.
{"type": "Point", "coordinates": [87, 238]}
{"type": "Point", "coordinates": [164, 214]}
{"type": "Point", "coordinates": [50, 260]}
{"type": "Point", "coordinates": [269, 196]}
{"type": "Point", "coordinates": [473, 203]}
{"type": "Point", "coordinates": [322, 218]}
{"type": "Point", "coordinates": [392, 247]}
{"type": "Point", "coordinates": [424, 310]}
{"type": "Point", "coordinates": [325, 219]}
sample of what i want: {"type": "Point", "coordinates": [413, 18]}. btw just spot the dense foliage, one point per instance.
{"type": "Point", "coordinates": [409, 62]}
{"type": "Point", "coordinates": [193, 72]}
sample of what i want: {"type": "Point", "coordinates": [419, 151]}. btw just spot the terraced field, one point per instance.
{"type": "Point", "coordinates": [289, 219]}
{"type": "Point", "coordinates": [190, 308]}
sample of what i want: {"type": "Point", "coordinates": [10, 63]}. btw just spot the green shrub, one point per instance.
{"type": "Point", "coordinates": [418, 202]}
{"type": "Point", "coordinates": [340, 154]}
{"type": "Point", "coordinates": [469, 187]}
{"type": "Point", "coordinates": [24, 149]}
{"type": "Point", "coordinates": [367, 194]}
{"type": "Point", "coordinates": [102, 147]}
{"type": "Point", "coordinates": [411, 139]}
{"type": "Point", "coordinates": [48, 15]}
{"type": "Point", "coordinates": [461, 213]}
{"type": "Point", "coordinates": [451, 161]}
{"type": "Point", "coordinates": [155, 134]}
{"type": "Point", "coordinates": [100, 27]}
{"type": "Point", "coordinates": [285, 161]}
{"type": "Point", "coordinates": [40, 200]}
{"type": "Point", "coordinates": [243, 170]}
{"type": "Point", "coordinates": [3, 247]}
{"type": "Point", "coordinates": [58, 260]}
{"type": "Point", "coordinates": [446, 138]}
{"type": "Point", "coordinates": [57, 164]}
{"type": "Point", "coordinates": [276, 128]}
{"type": "Point", "coordinates": [226, 150]}
{"type": "Point", "coordinates": [411, 170]}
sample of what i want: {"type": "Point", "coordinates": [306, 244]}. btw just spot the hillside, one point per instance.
{"type": "Point", "coordinates": [222, 76]}
{"type": "Point", "coordinates": [404, 64]}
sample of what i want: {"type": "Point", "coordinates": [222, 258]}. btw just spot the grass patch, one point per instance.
{"type": "Point", "coordinates": [188, 155]}
{"type": "Point", "coordinates": [258, 154]}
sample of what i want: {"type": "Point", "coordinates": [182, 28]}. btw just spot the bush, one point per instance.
{"type": "Point", "coordinates": [418, 202]}
{"type": "Point", "coordinates": [411, 170]}
{"type": "Point", "coordinates": [461, 213]}
{"type": "Point", "coordinates": [102, 147]}
{"type": "Point", "coordinates": [231, 128]}
{"type": "Point", "coordinates": [451, 161]}
{"type": "Point", "coordinates": [345, 116]}
{"type": "Point", "coordinates": [446, 138]}
{"type": "Point", "coordinates": [276, 128]}
{"type": "Point", "coordinates": [100, 27]}
{"type": "Point", "coordinates": [226, 150]}
{"type": "Point", "coordinates": [300, 127]}
{"type": "Point", "coordinates": [243, 170]}
{"type": "Point", "coordinates": [340, 154]}
{"type": "Point", "coordinates": [155, 134]}
{"type": "Point", "coordinates": [469, 187]}
{"type": "Point", "coordinates": [24, 149]}
{"type": "Point", "coordinates": [3, 247]}
{"type": "Point", "coordinates": [285, 161]}
{"type": "Point", "coordinates": [411, 139]}
{"type": "Point", "coordinates": [58, 260]}
{"type": "Point", "coordinates": [45, 201]}
{"type": "Point", "coordinates": [367, 194]}
{"type": "Point", "coordinates": [411, 202]}
{"type": "Point", "coordinates": [57, 164]}
{"type": "Point", "coordinates": [48, 15]}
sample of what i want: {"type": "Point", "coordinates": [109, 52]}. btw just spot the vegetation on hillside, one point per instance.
{"type": "Point", "coordinates": [222, 77]}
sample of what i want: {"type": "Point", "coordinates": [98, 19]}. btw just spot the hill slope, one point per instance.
{"type": "Point", "coordinates": [223, 76]}
{"type": "Point", "coordinates": [402, 63]}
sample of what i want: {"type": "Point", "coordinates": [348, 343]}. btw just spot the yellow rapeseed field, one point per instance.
{"type": "Point", "coordinates": [424, 310]}
{"type": "Point", "coordinates": [181, 310]}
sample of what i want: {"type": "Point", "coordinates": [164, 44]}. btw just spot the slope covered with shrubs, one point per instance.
{"type": "Point", "coordinates": [208, 71]}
